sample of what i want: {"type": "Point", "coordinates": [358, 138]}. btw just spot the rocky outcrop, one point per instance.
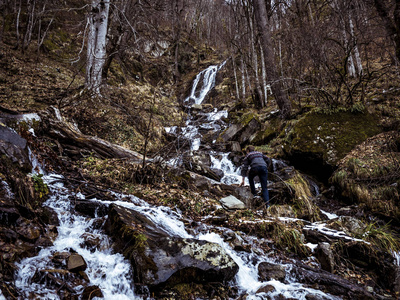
{"type": "Point", "coordinates": [242, 131]}
{"type": "Point", "coordinates": [317, 141]}
{"type": "Point", "coordinates": [160, 260]}
{"type": "Point", "coordinates": [14, 147]}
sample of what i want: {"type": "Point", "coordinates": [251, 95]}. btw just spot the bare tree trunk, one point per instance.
{"type": "Point", "coordinates": [264, 77]}
{"type": "Point", "coordinates": [392, 26]}
{"type": "Point", "coordinates": [236, 79]}
{"type": "Point", "coordinates": [261, 101]}
{"type": "Point", "coordinates": [30, 24]}
{"type": "Point", "coordinates": [357, 57]}
{"type": "Point", "coordinates": [17, 24]}
{"type": "Point", "coordinates": [243, 80]}
{"type": "Point", "coordinates": [96, 49]}
{"type": "Point", "coordinates": [266, 42]}
{"type": "Point", "coordinates": [177, 10]}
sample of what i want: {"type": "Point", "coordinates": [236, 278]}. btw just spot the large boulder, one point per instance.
{"type": "Point", "coordinates": [329, 282]}
{"type": "Point", "coordinates": [317, 141]}
{"type": "Point", "coordinates": [160, 260]}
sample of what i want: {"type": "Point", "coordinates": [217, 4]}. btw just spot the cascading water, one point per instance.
{"type": "Point", "coordinates": [112, 273]}
{"type": "Point", "coordinates": [107, 270]}
{"type": "Point", "coordinates": [208, 75]}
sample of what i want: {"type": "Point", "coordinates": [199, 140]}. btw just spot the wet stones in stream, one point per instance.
{"type": "Point", "coordinates": [161, 261]}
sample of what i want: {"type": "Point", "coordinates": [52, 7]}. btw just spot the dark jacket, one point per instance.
{"type": "Point", "coordinates": [254, 159]}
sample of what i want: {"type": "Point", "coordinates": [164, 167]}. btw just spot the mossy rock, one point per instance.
{"type": "Point", "coordinates": [319, 140]}
{"type": "Point", "coordinates": [269, 131]}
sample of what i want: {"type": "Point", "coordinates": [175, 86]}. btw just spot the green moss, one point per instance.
{"type": "Point", "coordinates": [264, 136]}
{"type": "Point", "coordinates": [332, 135]}
{"type": "Point", "coordinates": [247, 117]}
{"type": "Point", "coordinates": [40, 186]}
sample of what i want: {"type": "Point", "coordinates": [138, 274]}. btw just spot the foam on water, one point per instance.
{"type": "Point", "coordinates": [108, 270]}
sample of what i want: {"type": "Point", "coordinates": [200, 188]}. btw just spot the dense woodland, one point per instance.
{"type": "Point", "coordinates": [311, 83]}
{"type": "Point", "coordinates": [325, 53]}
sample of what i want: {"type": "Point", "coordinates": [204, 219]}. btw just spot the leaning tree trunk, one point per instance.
{"type": "Point", "coordinates": [282, 100]}
{"type": "Point", "coordinates": [96, 46]}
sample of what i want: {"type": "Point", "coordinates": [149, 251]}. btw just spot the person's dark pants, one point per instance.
{"type": "Point", "coordinates": [262, 173]}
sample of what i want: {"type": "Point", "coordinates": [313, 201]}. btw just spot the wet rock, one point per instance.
{"type": "Point", "coordinates": [315, 236]}
{"type": "Point", "coordinates": [217, 173]}
{"type": "Point", "coordinates": [160, 260]}
{"type": "Point", "coordinates": [329, 282]}
{"type": "Point", "coordinates": [232, 131]}
{"type": "Point", "coordinates": [49, 216]}
{"type": "Point", "coordinates": [268, 271]}
{"type": "Point", "coordinates": [232, 203]}
{"type": "Point", "coordinates": [56, 278]}
{"type": "Point", "coordinates": [14, 147]}
{"type": "Point", "coordinates": [29, 231]}
{"type": "Point", "coordinates": [324, 254]}
{"type": "Point", "coordinates": [349, 225]}
{"type": "Point", "coordinates": [235, 147]}
{"type": "Point", "coordinates": [242, 193]}
{"type": "Point", "coordinates": [76, 263]}
{"type": "Point", "coordinates": [60, 259]}
{"type": "Point", "coordinates": [241, 132]}
{"type": "Point", "coordinates": [8, 215]}
{"type": "Point", "coordinates": [266, 289]}
{"type": "Point", "coordinates": [90, 241]}
{"type": "Point", "coordinates": [91, 292]}
{"type": "Point", "coordinates": [92, 209]}
{"type": "Point", "coordinates": [43, 242]}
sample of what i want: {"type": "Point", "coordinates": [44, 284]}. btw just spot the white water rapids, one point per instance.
{"type": "Point", "coordinates": [112, 273]}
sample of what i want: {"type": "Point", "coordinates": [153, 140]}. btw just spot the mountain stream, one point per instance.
{"type": "Point", "coordinates": [112, 273]}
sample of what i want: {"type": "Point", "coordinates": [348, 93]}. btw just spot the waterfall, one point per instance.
{"type": "Point", "coordinates": [198, 92]}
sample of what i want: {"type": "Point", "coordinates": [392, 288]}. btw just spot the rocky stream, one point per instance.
{"type": "Point", "coordinates": [84, 241]}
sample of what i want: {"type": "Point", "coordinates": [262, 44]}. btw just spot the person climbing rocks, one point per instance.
{"type": "Point", "coordinates": [258, 163]}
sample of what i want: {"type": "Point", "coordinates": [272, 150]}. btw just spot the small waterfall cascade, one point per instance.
{"type": "Point", "coordinates": [203, 83]}
{"type": "Point", "coordinates": [105, 269]}
{"type": "Point", "coordinates": [112, 273]}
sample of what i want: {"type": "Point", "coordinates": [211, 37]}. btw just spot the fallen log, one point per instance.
{"type": "Point", "coordinates": [69, 135]}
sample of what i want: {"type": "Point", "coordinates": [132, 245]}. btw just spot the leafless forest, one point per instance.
{"type": "Point", "coordinates": [323, 52]}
